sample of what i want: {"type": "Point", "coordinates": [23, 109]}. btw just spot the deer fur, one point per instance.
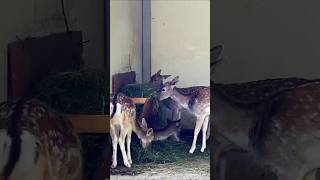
{"type": "Point", "coordinates": [122, 123]}
{"type": "Point", "coordinates": [172, 130]}
{"type": "Point", "coordinates": [37, 143]}
{"type": "Point", "coordinates": [279, 128]}
{"type": "Point", "coordinates": [196, 100]}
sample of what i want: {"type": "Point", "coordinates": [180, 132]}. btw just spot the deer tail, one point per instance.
{"type": "Point", "coordinates": [14, 135]}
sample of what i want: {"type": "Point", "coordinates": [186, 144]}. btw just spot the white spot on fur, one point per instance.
{"type": "Point", "coordinates": [118, 109]}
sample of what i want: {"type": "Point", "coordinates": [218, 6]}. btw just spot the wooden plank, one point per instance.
{"type": "Point", "coordinates": [121, 79]}
{"type": "Point", "coordinates": [90, 123]}
{"type": "Point", "coordinates": [34, 59]}
{"type": "Point", "coordinates": [139, 100]}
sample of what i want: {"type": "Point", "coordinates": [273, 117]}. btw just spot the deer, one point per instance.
{"type": "Point", "coordinates": [276, 121]}
{"type": "Point", "coordinates": [157, 80]}
{"type": "Point", "coordinates": [196, 100]}
{"type": "Point", "coordinates": [172, 130]}
{"type": "Point", "coordinates": [37, 142]}
{"type": "Point", "coordinates": [122, 123]}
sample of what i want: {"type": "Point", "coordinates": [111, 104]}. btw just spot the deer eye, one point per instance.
{"type": "Point", "coordinates": [163, 89]}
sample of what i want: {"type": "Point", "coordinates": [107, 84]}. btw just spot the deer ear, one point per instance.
{"type": "Point", "coordinates": [175, 80]}
{"type": "Point", "coordinates": [215, 52]}
{"type": "Point", "coordinates": [144, 124]}
{"type": "Point", "coordinates": [150, 131]}
{"type": "Point", "coordinates": [166, 76]}
{"type": "Point", "coordinates": [159, 72]}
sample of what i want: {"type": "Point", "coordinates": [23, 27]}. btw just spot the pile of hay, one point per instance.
{"type": "Point", "coordinates": [81, 92]}
{"type": "Point", "coordinates": [167, 151]}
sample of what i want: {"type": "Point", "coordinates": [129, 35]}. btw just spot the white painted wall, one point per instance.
{"type": "Point", "coordinates": [125, 36]}
{"type": "Point", "coordinates": [88, 16]}
{"type": "Point", "coordinates": [180, 40]}
{"type": "Point", "coordinates": [267, 39]}
{"type": "Point", "coordinates": [42, 17]}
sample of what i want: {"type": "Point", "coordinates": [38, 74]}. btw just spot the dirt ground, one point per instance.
{"type": "Point", "coordinates": [189, 170]}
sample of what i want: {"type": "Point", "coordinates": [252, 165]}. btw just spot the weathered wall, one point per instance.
{"type": "Point", "coordinates": [266, 39]}
{"type": "Point", "coordinates": [125, 36]}
{"type": "Point", "coordinates": [180, 40]}
{"type": "Point", "coordinates": [42, 17]}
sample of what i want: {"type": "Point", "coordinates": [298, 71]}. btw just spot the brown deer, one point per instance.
{"type": "Point", "coordinates": [157, 79]}
{"type": "Point", "coordinates": [195, 99]}
{"type": "Point", "coordinates": [123, 122]}
{"type": "Point", "coordinates": [37, 143]}
{"type": "Point", "coordinates": [276, 121]}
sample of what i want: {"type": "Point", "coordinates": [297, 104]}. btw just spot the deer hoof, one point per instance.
{"type": "Point", "coordinates": [202, 149]}
{"type": "Point", "coordinates": [113, 165]}
{"type": "Point", "coordinates": [127, 164]}
{"type": "Point", "coordinates": [191, 150]}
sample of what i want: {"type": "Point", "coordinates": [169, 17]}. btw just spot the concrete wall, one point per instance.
{"type": "Point", "coordinates": [125, 36]}
{"type": "Point", "coordinates": [180, 40]}
{"type": "Point", "coordinates": [42, 17]}
{"type": "Point", "coordinates": [266, 39]}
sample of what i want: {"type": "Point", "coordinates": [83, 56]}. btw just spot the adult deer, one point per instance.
{"type": "Point", "coordinates": [37, 143]}
{"type": "Point", "coordinates": [276, 120]}
{"type": "Point", "coordinates": [123, 122]}
{"type": "Point", "coordinates": [157, 79]}
{"type": "Point", "coordinates": [195, 99]}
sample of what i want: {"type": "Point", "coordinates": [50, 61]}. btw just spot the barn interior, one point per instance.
{"type": "Point", "coordinates": [174, 37]}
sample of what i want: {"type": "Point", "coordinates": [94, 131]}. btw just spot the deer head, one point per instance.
{"type": "Point", "coordinates": [149, 136]}
{"type": "Point", "coordinates": [167, 89]}
{"type": "Point", "coordinates": [157, 78]}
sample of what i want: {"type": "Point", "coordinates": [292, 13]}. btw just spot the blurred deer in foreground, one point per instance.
{"type": "Point", "coordinates": [37, 143]}
{"type": "Point", "coordinates": [196, 100]}
{"type": "Point", "coordinates": [122, 123]}
{"type": "Point", "coordinates": [276, 120]}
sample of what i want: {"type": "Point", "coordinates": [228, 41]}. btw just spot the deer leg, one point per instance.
{"type": "Point", "coordinates": [204, 133]}
{"type": "Point", "coordinates": [176, 137]}
{"type": "Point", "coordinates": [122, 148]}
{"type": "Point", "coordinates": [199, 123]}
{"type": "Point", "coordinates": [128, 146]}
{"type": "Point", "coordinates": [208, 131]}
{"type": "Point", "coordinates": [114, 147]}
{"type": "Point", "coordinates": [222, 166]}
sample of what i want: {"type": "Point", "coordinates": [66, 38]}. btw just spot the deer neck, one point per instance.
{"type": "Point", "coordinates": [138, 130]}
{"type": "Point", "coordinates": [231, 121]}
{"type": "Point", "coordinates": [181, 99]}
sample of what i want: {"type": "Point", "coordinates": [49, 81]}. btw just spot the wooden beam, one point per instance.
{"type": "Point", "coordinates": [90, 123]}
